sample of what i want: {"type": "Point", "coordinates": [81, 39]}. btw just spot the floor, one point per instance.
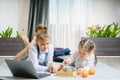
{"type": "Point", "coordinates": [111, 61]}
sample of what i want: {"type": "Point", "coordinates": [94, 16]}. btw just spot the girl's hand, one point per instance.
{"type": "Point", "coordinates": [60, 67]}
{"type": "Point", "coordinates": [53, 68]}
{"type": "Point", "coordinates": [79, 71]}
{"type": "Point", "coordinates": [67, 61]}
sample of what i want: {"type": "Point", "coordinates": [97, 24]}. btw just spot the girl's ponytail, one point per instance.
{"type": "Point", "coordinates": [41, 27]}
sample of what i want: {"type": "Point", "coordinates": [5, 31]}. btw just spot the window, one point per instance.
{"type": "Point", "coordinates": [67, 22]}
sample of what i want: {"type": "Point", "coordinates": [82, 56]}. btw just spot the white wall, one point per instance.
{"type": "Point", "coordinates": [14, 13]}
{"type": "Point", "coordinates": [23, 15]}
{"type": "Point", "coordinates": [103, 12]}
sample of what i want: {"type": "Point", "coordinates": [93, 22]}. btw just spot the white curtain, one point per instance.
{"type": "Point", "coordinates": [67, 22]}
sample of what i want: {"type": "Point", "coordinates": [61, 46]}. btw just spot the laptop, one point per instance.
{"type": "Point", "coordinates": [20, 68]}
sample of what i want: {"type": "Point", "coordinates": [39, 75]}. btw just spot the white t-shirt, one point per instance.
{"type": "Point", "coordinates": [83, 63]}
{"type": "Point", "coordinates": [33, 57]}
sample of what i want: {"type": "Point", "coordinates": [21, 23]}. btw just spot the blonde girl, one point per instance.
{"type": "Point", "coordinates": [41, 53]}
{"type": "Point", "coordinates": [85, 57]}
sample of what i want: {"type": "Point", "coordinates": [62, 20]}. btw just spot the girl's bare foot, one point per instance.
{"type": "Point", "coordinates": [25, 40]}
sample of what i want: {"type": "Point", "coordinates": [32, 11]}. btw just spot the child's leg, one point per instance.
{"type": "Point", "coordinates": [25, 40]}
{"type": "Point", "coordinates": [25, 50]}
{"type": "Point", "coordinates": [33, 40]}
{"type": "Point", "coordinates": [24, 57]}
{"type": "Point", "coordinates": [21, 53]}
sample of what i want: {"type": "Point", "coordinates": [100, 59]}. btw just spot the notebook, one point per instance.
{"type": "Point", "coordinates": [20, 68]}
